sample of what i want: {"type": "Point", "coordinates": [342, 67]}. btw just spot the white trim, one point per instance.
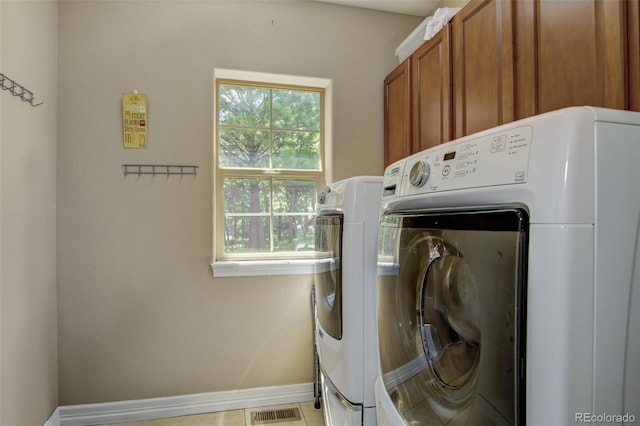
{"type": "Point", "coordinates": [257, 268]}
{"type": "Point", "coordinates": [234, 269]}
{"type": "Point", "coordinates": [270, 78]}
{"type": "Point", "coordinates": [182, 405]}
{"type": "Point", "coordinates": [54, 420]}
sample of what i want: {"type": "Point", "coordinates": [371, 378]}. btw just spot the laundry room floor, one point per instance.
{"type": "Point", "coordinates": [243, 417]}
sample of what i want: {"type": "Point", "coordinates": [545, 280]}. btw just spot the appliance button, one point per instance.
{"type": "Point", "coordinates": [419, 173]}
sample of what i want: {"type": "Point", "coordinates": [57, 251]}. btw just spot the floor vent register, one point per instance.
{"type": "Point", "coordinates": [275, 416]}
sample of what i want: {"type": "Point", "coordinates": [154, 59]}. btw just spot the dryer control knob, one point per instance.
{"type": "Point", "coordinates": [419, 173]}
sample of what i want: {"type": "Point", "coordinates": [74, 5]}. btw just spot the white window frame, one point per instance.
{"type": "Point", "coordinates": [235, 268]}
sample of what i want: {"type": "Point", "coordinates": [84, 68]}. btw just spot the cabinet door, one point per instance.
{"type": "Point", "coordinates": [633, 73]}
{"type": "Point", "coordinates": [431, 89]}
{"type": "Point", "coordinates": [570, 53]}
{"type": "Point", "coordinates": [397, 114]}
{"type": "Point", "coordinates": [482, 41]}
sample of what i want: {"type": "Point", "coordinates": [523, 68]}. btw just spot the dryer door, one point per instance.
{"type": "Point", "coordinates": [328, 272]}
{"type": "Point", "coordinates": [450, 317]}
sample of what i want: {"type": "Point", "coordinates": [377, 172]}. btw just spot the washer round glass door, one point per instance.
{"type": "Point", "coordinates": [328, 272]}
{"type": "Point", "coordinates": [449, 321]}
{"type": "Point", "coordinates": [449, 317]}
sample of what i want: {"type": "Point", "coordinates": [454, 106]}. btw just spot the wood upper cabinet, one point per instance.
{"type": "Point", "coordinates": [573, 53]}
{"type": "Point", "coordinates": [483, 66]}
{"type": "Point", "coordinates": [633, 43]}
{"type": "Point", "coordinates": [397, 114]}
{"type": "Point", "coordinates": [431, 92]}
{"type": "Point", "coordinates": [502, 60]}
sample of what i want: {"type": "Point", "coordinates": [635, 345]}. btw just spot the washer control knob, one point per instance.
{"type": "Point", "coordinates": [419, 173]}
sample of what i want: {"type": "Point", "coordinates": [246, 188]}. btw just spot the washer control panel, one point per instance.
{"type": "Point", "coordinates": [495, 159]}
{"type": "Point", "coordinates": [331, 195]}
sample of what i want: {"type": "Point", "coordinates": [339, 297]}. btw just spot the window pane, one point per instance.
{"type": "Point", "coordinates": [296, 150]}
{"type": "Point", "coordinates": [243, 106]}
{"type": "Point", "coordinates": [244, 148]}
{"type": "Point", "coordinates": [294, 196]}
{"type": "Point", "coordinates": [246, 234]}
{"type": "Point", "coordinates": [246, 195]}
{"type": "Point", "coordinates": [246, 220]}
{"type": "Point", "coordinates": [294, 204]}
{"type": "Point", "coordinates": [296, 110]}
{"type": "Point", "coordinates": [293, 233]}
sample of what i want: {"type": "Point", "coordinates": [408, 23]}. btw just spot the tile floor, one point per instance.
{"type": "Point", "coordinates": [310, 417]}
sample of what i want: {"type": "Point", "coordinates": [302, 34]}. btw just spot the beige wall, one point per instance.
{"type": "Point", "coordinates": [28, 335]}
{"type": "Point", "coordinates": [140, 315]}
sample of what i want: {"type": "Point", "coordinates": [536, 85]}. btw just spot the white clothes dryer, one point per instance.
{"type": "Point", "coordinates": [509, 276]}
{"type": "Point", "coordinates": [345, 281]}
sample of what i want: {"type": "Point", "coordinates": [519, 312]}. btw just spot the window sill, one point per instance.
{"type": "Point", "coordinates": [253, 268]}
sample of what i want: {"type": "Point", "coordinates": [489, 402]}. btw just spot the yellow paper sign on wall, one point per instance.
{"type": "Point", "coordinates": [134, 120]}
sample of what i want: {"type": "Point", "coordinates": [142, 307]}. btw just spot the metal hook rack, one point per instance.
{"type": "Point", "coordinates": [18, 90]}
{"type": "Point", "coordinates": [158, 169]}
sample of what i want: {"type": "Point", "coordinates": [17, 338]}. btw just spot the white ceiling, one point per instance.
{"type": "Point", "coordinates": [421, 8]}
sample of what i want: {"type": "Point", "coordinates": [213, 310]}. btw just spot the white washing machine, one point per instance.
{"type": "Point", "coordinates": [345, 281]}
{"type": "Point", "coordinates": [508, 276]}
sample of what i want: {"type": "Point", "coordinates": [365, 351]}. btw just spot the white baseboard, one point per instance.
{"type": "Point", "coordinates": [183, 405]}
{"type": "Point", "coordinates": [54, 420]}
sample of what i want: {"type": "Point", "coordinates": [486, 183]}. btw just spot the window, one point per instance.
{"type": "Point", "coordinates": [269, 151]}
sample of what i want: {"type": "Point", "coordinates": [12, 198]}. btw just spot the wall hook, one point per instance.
{"type": "Point", "coordinates": [18, 90]}
{"type": "Point", "coordinates": [158, 169]}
